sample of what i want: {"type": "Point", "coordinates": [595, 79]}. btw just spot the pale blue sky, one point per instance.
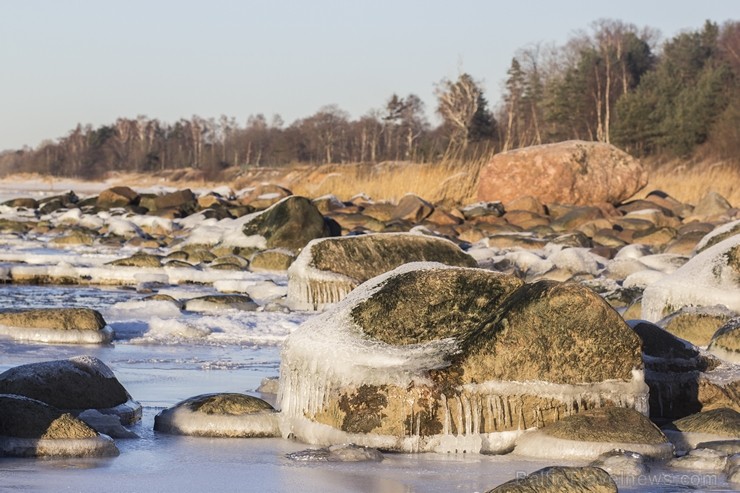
{"type": "Point", "coordinates": [92, 61]}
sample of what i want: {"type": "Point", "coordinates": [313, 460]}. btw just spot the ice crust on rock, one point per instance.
{"type": "Point", "coordinates": [100, 446]}
{"type": "Point", "coordinates": [241, 416]}
{"type": "Point", "coordinates": [719, 230]}
{"type": "Point", "coordinates": [107, 424]}
{"type": "Point", "coordinates": [576, 261]}
{"type": "Point", "coordinates": [622, 463]}
{"type": "Point", "coordinates": [701, 459]}
{"type": "Point", "coordinates": [537, 444]}
{"type": "Point", "coordinates": [330, 351]}
{"type": "Point", "coordinates": [54, 336]}
{"type": "Point", "coordinates": [312, 288]}
{"type": "Point", "coordinates": [707, 279]}
{"type": "Point", "coordinates": [338, 453]}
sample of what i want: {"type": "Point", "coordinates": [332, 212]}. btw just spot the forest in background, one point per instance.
{"type": "Point", "coordinates": [614, 83]}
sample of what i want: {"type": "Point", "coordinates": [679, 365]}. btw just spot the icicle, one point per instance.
{"type": "Point", "coordinates": [446, 421]}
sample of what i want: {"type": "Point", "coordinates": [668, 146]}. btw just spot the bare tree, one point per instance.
{"type": "Point", "coordinates": [457, 102]}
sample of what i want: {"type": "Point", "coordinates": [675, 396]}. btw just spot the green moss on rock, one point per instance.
{"type": "Point", "coordinates": [426, 305]}
{"type": "Point", "coordinates": [227, 403]}
{"type": "Point", "coordinates": [607, 424]}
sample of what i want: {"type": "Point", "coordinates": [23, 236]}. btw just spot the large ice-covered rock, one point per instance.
{"type": "Point", "coordinates": [435, 358]}
{"type": "Point", "coordinates": [31, 428]}
{"type": "Point", "coordinates": [228, 415]}
{"type": "Point", "coordinates": [56, 325]}
{"type": "Point", "coordinates": [710, 278]}
{"type": "Point", "coordinates": [329, 268]}
{"type": "Point", "coordinates": [73, 385]}
{"type": "Point", "coordinates": [595, 432]}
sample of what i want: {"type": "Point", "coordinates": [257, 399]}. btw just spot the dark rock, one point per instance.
{"type": "Point", "coordinates": [291, 224]}
{"type": "Point", "coordinates": [76, 384]}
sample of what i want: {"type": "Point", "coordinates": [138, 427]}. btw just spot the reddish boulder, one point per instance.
{"type": "Point", "coordinates": [572, 172]}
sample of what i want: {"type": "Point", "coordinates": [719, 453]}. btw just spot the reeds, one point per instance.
{"type": "Point", "coordinates": [450, 182]}
{"type": "Point", "coordinates": [690, 184]}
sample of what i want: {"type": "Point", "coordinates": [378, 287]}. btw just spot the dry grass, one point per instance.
{"type": "Point", "coordinates": [447, 182]}
{"type": "Point", "coordinates": [451, 182]}
{"type": "Point", "coordinates": [691, 184]}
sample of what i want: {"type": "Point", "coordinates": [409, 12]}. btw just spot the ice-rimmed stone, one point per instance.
{"type": "Point", "coordinates": [329, 268]}
{"type": "Point", "coordinates": [435, 358]}
{"type": "Point", "coordinates": [31, 428]}
{"type": "Point", "coordinates": [227, 415]}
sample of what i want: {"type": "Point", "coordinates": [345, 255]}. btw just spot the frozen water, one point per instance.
{"type": "Point", "coordinates": [705, 280]}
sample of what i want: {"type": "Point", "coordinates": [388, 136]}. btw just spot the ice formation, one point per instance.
{"type": "Point", "coordinates": [312, 288]}
{"type": "Point", "coordinates": [719, 230]}
{"type": "Point", "coordinates": [100, 446]}
{"type": "Point", "coordinates": [688, 440]}
{"type": "Point", "coordinates": [330, 352]}
{"type": "Point", "coordinates": [537, 444]}
{"type": "Point", "coordinates": [701, 459]}
{"type": "Point", "coordinates": [707, 279]}
{"type": "Point", "coordinates": [338, 453]}
{"type": "Point", "coordinates": [251, 420]}
{"type": "Point", "coordinates": [54, 336]}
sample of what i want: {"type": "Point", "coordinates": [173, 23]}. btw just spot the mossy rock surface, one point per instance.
{"type": "Point", "coordinates": [425, 305]}
{"type": "Point", "coordinates": [78, 383]}
{"type": "Point", "coordinates": [227, 403]}
{"type": "Point", "coordinates": [10, 226]}
{"type": "Point", "coordinates": [235, 260]}
{"type": "Point", "coordinates": [722, 421]}
{"type": "Point", "coordinates": [732, 230]}
{"type": "Point", "coordinates": [225, 301]}
{"type": "Point", "coordinates": [271, 260]}
{"type": "Point", "coordinates": [76, 237]}
{"type": "Point", "coordinates": [54, 318]}
{"type": "Point", "coordinates": [554, 332]}
{"type": "Point", "coordinates": [27, 202]}
{"type": "Point", "coordinates": [290, 223]}
{"type": "Point", "coordinates": [366, 256]}
{"type": "Point", "coordinates": [696, 324]}
{"type": "Point", "coordinates": [182, 200]}
{"type": "Point", "coordinates": [559, 479]}
{"type": "Point", "coordinates": [607, 424]}
{"type": "Point", "coordinates": [116, 197]}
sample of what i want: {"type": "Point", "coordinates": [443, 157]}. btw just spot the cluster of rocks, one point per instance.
{"type": "Point", "coordinates": [64, 408]}
{"type": "Point", "coordinates": [87, 326]}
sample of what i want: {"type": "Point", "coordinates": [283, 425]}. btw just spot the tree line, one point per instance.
{"type": "Point", "coordinates": [612, 83]}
